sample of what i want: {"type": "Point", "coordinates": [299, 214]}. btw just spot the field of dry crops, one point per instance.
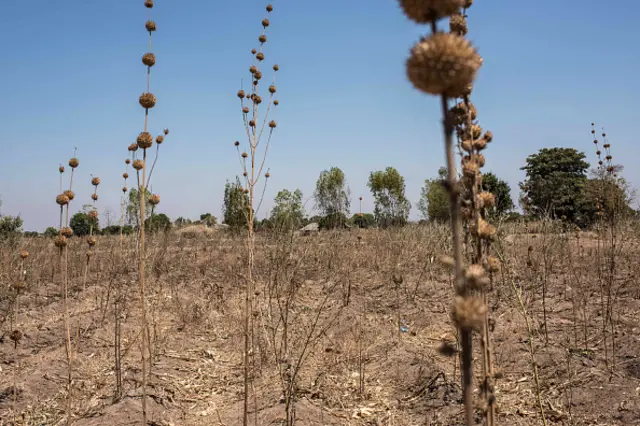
{"type": "Point", "coordinates": [359, 318]}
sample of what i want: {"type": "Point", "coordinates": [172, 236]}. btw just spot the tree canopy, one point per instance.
{"type": "Point", "coordinates": [332, 194]}
{"type": "Point", "coordinates": [236, 205]}
{"type": "Point", "coordinates": [287, 212]}
{"type": "Point", "coordinates": [501, 190]}
{"type": "Point", "coordinates": [391, 205]}
{"type": "Point", "coordinates": [434, 199]}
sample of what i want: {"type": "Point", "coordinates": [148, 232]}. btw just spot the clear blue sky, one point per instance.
{"type": "Point", "coordinates": [71, 76]}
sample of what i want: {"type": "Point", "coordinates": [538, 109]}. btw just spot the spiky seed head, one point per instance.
{"type": "Point", "coordinates": [468, 3]}
{"type": "Point", "coordinates": [467, 145]}
{"type": "Point", "coordinates": [245, 155]}
{"type": "Point", "coordinates": [488, 136]}
{"type": "Point", "coordinates": [443, 64]}
{"type": "Point", "coordinates": [95, 181]}
{"type": "Point", "coordinates": [15, 336]}
{"type": "Point", "coordinates": [138, 164]}
{"type": "Point", "coordinates": [94, 196]}
{"type": "Point", "coordinates": [491, 264]}
{"type": "Point", "coordinates": [124, 189]}
{"type": "Point", "coordinates": [154, 200]}
{"type": "Point", "coordinates": [150, 26]}
{"type": "Point", "coordinates": [145, 140]}
{"type": "Point", "coordinates": [93, 214]}
{"type": "Point", "coordinates": [272, 124]}
{"type": "Point", "coordinates": [486, 199]}
{"type": "Point", "coordinates": [147, 100]}
{"type": "Point", "coordinates": [253, 69]}
{"type": "Point", "coordinates": [24, 254]}
{"type": "Point", "coordinates": [74, 162]}
{"type": "Point", "coordinates": [257, 100]}
{"type": "Point", "coordinates": [480, 160]}
{"type": "Point", "coordinates": [148, 3]}
{"type": "Point", "coordinates": [66, 232]}
{"type": "Point", "coordinates": [272, 89]}
{"type": "Point", "coordinates": [60, 241]}
{"type": "Point", "coordinates": [166, 132]}
{"type": "Point", "coordinates": [149, 59]}
{"type": "Point", "coordinates": [92, 241]}
{"type": "Point", "coordinates": [262, 38]}
{"type": "Point", "coordinates": [236, 143]}
{"type": "Point", "coordinates": [476, 131]}
{"type": "Point", "coordinates": [267, 175]}
{"type": "Point", "coordinates": [159, 139]}
{"type": "Point", "coordinates": [241, 94]}
{"type": "Point", "coordinates": [468, 313]}
{"type": "Point", "coordinates": [61, 169]}
{"type": "Point", "coordinates": [269, 8]}
{"type": "Point", "coordinates": [265, 22]}
{"type": "Point", "coordinates": [479, 144]}
{"type": "Point", "coordinates": [426, 11]}
{"type": "Point", "coordinates": [476, 277]}
{"type": "Point", "coordinates": [469, 167]}
{"type": "Point", "coordinates": [133, 148]}
{"type": "Point", "coordinates": [484, 230]}
{"type": "Point", "coordinates": [62, 200]}
{"type": "Point", "coordinates": [458, 24]}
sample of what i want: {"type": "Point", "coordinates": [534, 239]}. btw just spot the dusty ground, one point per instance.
{"type": "Point", "coordinates": [196, 305]}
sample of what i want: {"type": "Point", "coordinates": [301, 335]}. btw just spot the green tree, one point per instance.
{"type": "Point", "coordinates": [501, 190]}
{"type": "Point", "coordinates": [434, 198]}
{"type": "Point", "coordinates": [158, 222]}
{"type": "Point", "coordinates": [133, 207]}
{"type": "Point", "coordinates": [391, 205]}
{"type": "Point", "coordinates": [332, 196]}
{"type": "Point", "coordinates": [235, 209]}
{"type": "Point", "coordinates": [208, 219]}
{"type": "Point", "coordinates": [51, 232]}
{"type": "Point", "coordinates": [363, 220]}
{"type": "Point", "coordinates": [81, 224]}
{"type": "Point", "coordinates": [10, 226]}
{"type": "Point", "coordinates": [554, 184]}
{"type": "Point", "coordinates": [287, 212]}
{"type": "Point", "coordinates": [181, 221]}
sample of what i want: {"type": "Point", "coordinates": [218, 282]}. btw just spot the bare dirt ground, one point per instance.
{"type": "Point", "coordinates": [381, 300]}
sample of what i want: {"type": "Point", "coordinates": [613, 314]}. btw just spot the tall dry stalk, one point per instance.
{"type": "Point", "coordinates": [145, 141]}
{"type": "Point", "coordinates": [255, 125]}
{"type": "Point", "coordinates": [445, 65]}
{"type": "Point", "coordinates": [93, 218]}
{"type": "Point", "coordinates": [16, 335]}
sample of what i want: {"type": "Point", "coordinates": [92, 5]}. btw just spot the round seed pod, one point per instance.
{"type": "Point", "coordinates": [66, 232]}
{"type": "Point", "coordinates": [262, 38]}
{"type": "Point", "coordinates": [61, 169]}
{"type": "Point", "coordinates": [166, 132]}
{"type": "Point", "coordinates": [124, 189]}
{"type": "Point", "coordinates": [138, 164]}
{"type": "Point", "coordinates": [16, 336]}
{"type": "Point", "coordinates": [246, 190]}
{"type": "Point", "coordinates": [272, 89]}
{"type": "Point", "coordinates": [245, 110]}
{"type": "Point", "coordinates": [265, 22]}
{"type": "Point", "coordinates": [480, 159]}
{"type": "Point", "coordinates": [458, 24]}
{"type": "Point", "coordinates": [269, 8]}
{"type": "Point", "coordinates": [93, 214]}
{"type": "Point", "coordinates": [62, 200]}
{"type": "Point", "coordinates": [253, 69]}
{"type": "Point", "coordinates": [470, 168]}
{"type": "Point", "coordinates": [60, 241]}
{"type": "Point", "coordinates": [260, 57]}
{"type": "Point", "coordinates": [257, 75]}
{"type": "Point", "coordinates": [148, 3]}
{"type": "Point", "coordinates": [245, 174]}
{"type": "Point", "coordinates": [95, 181]}
{"type": "Point", "coordinates": [74, 162]}
{"type": "Point", "coordinates": [133, 148]}
{"type": "Point", "coordinates": [149, 59]}
{"type": "Point", "coordinates": [484, 230]}
{"type": "Point", "coordinates": [488, 136]}
{"type": "Point", "coordinates": [468, 313]}
{"type": "Point", "coordinates": [426, 11]}
{"type": "Point", "coordinates": [253, 51]}
{"type": "Point", "coordinates": [244, 155]}
{"type": "Point", "coordinates": [147, 100]}
{"type": "Point", "coordinates": [276, 102]}
{"type": "Point", "coordinates": [125, 175]}
{"type": "Point", "coordinates": [24, 254]}
{"type": "Point", "coordinates": [92, 241]}
{"type": "Point", "coordinates": [468, 3]}
{"type": "Point", "coordinates": [443, 64]}
{"type": "Point", "coordinates": [69, 193]}
{"type": "Point", "coordinates": [236, 143]}
{"type": "Point", "coordinates": [480, 144]}
{"type": "Point", "coordinates": [252, 123]}
{"type": "Point", "coordinates": [486, 199]}
{"type": "Point", "coordinates": [150, 26]}
{"type": "Point", "coordinates": [154, 200]}
{"type": "Point", "coordinates": [491, 264]}
{"type": "Point", "coordinates": [241, 94]}
{"type": "Point", "coordinates": [159, 139]}
{"type": "Point", "coordinates": [276, 67]}
{"type": "Point", "coordinates": [145, 140]}
{"type": "Point", "coordinates": [94, 196]}
{"type": "Point", "coordinates": [267, 175]}
{"type": "Point", "coordinates": [257, 99]}
{"type": "Point", "coordinates": [476, 131]}
{"type": "Point", "coordinates": [467, 145]}
{"type": "Point", "coordinates": [360, 198]}
{"type": "Point", "coordinates": [476, 277]}
{"type": "Point", "coordinates": [272, 124]}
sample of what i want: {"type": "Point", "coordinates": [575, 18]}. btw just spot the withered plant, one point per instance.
{"type": "Point", "coordinates": [91, 240]}
{"type": "Point", "coordinates": [253, 163]}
